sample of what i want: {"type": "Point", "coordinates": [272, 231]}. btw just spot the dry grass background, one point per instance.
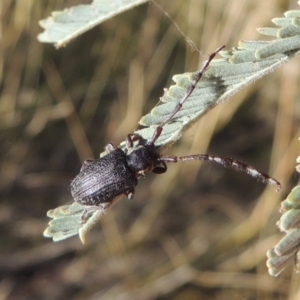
{"type": "Point", "coordinates": [197, 232]}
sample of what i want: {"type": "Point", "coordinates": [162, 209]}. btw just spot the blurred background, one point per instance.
{"type": "Point", "coordinates": [200, 231]}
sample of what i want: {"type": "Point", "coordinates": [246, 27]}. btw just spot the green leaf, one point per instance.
{"type": "Point", "coordinates": [286, 251]}
{"type": "Point", "coordinates": [66, 222]}
{"type": "Point", "coordinates": [64, 26]}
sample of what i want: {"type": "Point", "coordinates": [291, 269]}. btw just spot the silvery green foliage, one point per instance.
{"type": "Point", "coordinates": [64, 26]}
{"type": "Point", "coordinates": [237, 68]}
{"type": "Point", "coordinates": [66, 222]}
{"type": "Point", "coordinates": [287, 249]}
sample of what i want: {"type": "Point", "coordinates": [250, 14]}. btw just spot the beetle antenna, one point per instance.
{"type": "Point", "coordinates": [190, 90]}
{"type": "Point", "coordinates": [226, 162]}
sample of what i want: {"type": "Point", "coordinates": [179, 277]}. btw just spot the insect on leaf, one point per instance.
{"type": "Point", "coordinates": [236, 69]}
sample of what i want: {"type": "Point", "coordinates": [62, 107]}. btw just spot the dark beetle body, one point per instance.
{"type": "Point", "coordinates": [100, 181]}
{"type": "Point", "coordinates": [103, 179]}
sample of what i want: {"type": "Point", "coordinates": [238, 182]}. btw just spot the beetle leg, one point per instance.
{"type": "Point", "coordinates": [141, 173]}
{"type": "Point", "coordinates": [160, 169]}
{"type": "Point", "coordinates": [102, 207]}
{"type": "Point", "coordinates": [131, 138]}
{"type": "Point", "coordinates": [110, 147]}
{"type": "Point", "coordinates": [86, 163]}
{"type": "Point", "coordinates": [130, 194]}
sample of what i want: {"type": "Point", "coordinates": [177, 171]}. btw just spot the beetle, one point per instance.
{"type": "Point", "coordinates": [101, 182]}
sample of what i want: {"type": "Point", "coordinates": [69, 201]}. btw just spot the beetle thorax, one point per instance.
{"type": "Point", "coordinates": [143, 159]}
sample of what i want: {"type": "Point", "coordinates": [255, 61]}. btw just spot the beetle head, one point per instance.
{"type": "Point", "coordinates": [143, 159]}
